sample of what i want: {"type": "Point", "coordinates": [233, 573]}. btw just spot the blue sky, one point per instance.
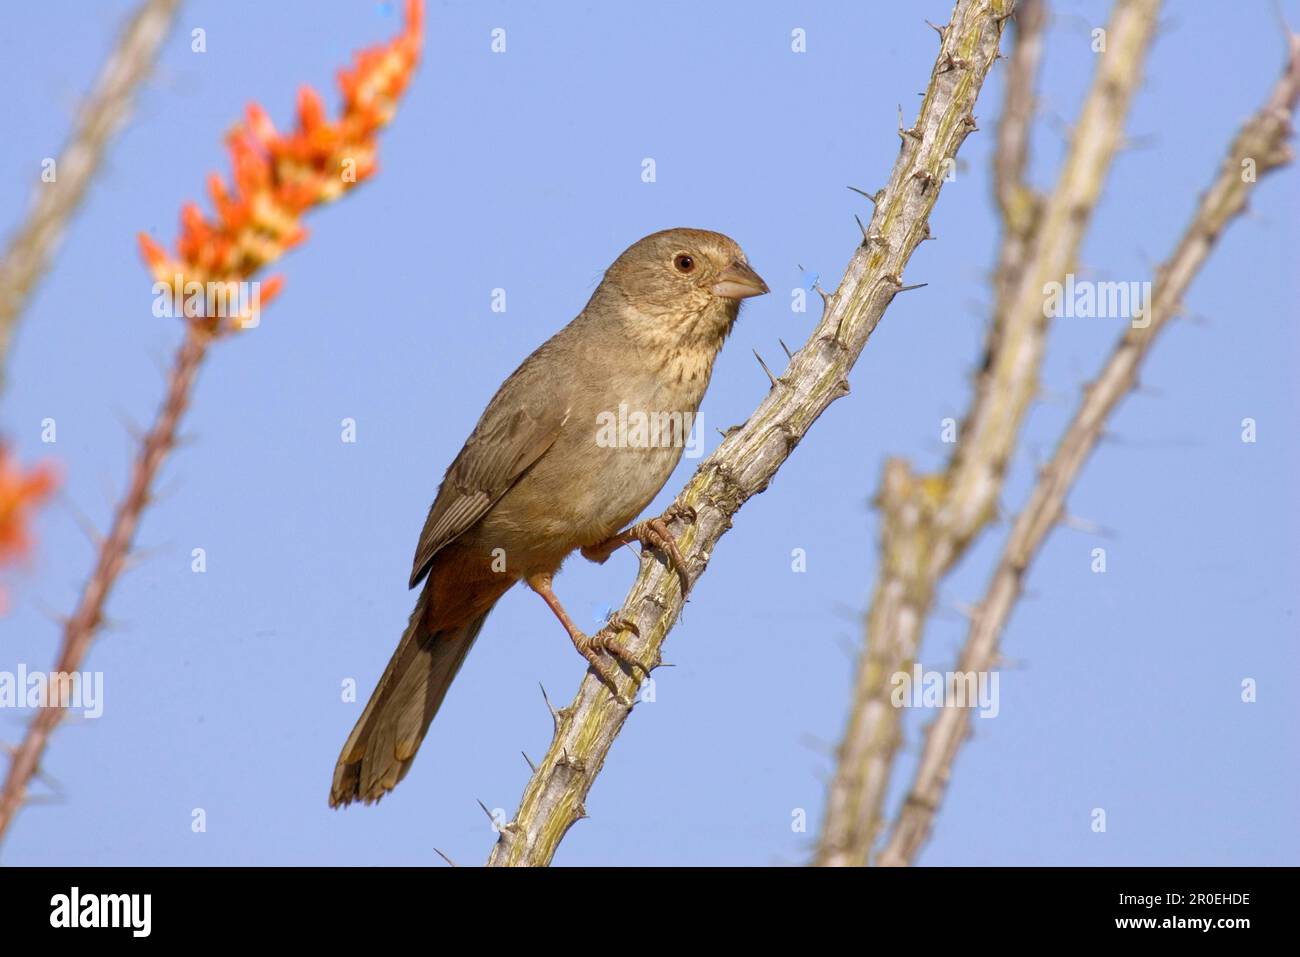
{"type": "Point", "coordinates": [522, 171]}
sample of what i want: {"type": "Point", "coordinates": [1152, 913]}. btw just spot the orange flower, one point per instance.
{"type": "Point", "coordinates": [20, 493]}
{"type": "Point", "coordinates": [276, 177]}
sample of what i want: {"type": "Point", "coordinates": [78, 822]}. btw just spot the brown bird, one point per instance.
{"type": "Point", "coordinates": [547, 471]}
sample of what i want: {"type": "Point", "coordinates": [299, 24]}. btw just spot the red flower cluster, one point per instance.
{"type": "Point", "coordinates": [278, 176]}
{"type": "Point", "coordinates": [20, 493]}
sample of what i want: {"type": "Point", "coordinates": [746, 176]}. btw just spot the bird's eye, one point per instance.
{"type": "Point", "coordinates": [684, 262]}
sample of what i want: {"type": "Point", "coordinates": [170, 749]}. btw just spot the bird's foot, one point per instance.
{"type": "Point", "coordinates": [607, 646]}
{"type": "Point", "coordinates": [651, 533]}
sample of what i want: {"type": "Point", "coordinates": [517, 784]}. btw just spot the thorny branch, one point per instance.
{"type": "Point", "coordinates": [29, 252]}
{"type": "Point", "coordinates": [1260, 146]}
{"type": "Point", "coordinates": [79, 630]}
{"type": "Point", "coordinates": [929, 521]}
{"type": "Point", "coordinates": [748, 457]}
{"type": "Point", "coordinates": [277, 177]}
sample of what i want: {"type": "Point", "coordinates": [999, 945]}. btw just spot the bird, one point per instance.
{"type": "Point", "coordinates": [545, 473]}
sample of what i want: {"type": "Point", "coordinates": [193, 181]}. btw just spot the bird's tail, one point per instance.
{"type": "Point", "coordinates": [381, 747]}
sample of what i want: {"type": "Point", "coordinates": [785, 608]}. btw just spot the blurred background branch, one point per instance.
{"type": "Point", "coordinates": [33, 245]}
{"type": "Point", "coordinates": [276, 179]}
{"type": "Point", "coordinates": [928, 522]}
{"type": "Point", "coordinates": [1259, 147]}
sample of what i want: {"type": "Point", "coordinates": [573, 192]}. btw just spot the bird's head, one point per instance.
{"type": "Point", "coordinates": [683, 284]}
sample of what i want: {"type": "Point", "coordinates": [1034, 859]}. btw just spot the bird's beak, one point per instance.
{"type": "Point", "coordinates": [738, 281]}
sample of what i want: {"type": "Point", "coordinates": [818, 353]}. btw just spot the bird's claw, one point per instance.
{"type": "Point", "coordinates": [605, 647]}
{"type": "Point", "coordinates": [654, 533]}
{"type": "Point", "coordinates": [651, 533]}
{"type": "Point", "coordinates": [610, 640]}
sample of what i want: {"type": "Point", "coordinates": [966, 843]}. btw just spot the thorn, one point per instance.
{"type": "Point", "coordinates": [788, 353]}
{"type": "Point", "coordinates": [872, 197]}
{"type": "Point", "coordinates": [965, 610]}
{"type": "Point", "coordinates": [941, 30]}
{"type": "Point", "coordinates": [817, 745]}
{"type": "Point", "coordinates": [1050, 397]}
{"type": "Point", "coordinates": [1133, 143]}
{"type": "Point", "coordinates": [555, 715]}
{"type": "Point", "coordinates": [908, 132]}
{"type": "Point", "coordinates": [132, 428]}
{"type": "Point", "coordinates": [771, 378]}
{"type": "Point", "coordinates": [951, 62]}
{"type": "Point", "coordinates": [531, 766]}
{"type": "Point", "coordinates": [1058, 125]}
{"type": "Point", "coordinates": [39, 799]}
{"type": "Point", "coordinates": [51, 782]}
{"type": "Point", "coordinates": [861, 227]}
{"type": "Point", "coordinates": [1011, 664]}
{"type": "Point", "coordinates": [444, 857]}
{"type": "Point", "coordinates": [165, 492]}
{"type": "Point", "coordinates": [568, 761]}
{"type": "Point", "coordinates": [85, 524]}
{"type": "Point", "coordinates": [107, 490]}
{"type": "Point", "coordinates": [133, 560]}
{"type": "Point", "coordinates": [817, 288]}
{"type": "Point", "coordinates": [1087, 526]}
{"type": "Point", "coordinates": [147, 553]}
{"type": "Point", "coordinates": [51, 614]}
{"type": "Point", "coordinates": [918, 285]}
{"type": "Point", "coordinates": [487, 812]}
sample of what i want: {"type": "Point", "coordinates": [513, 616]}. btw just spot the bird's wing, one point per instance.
{"type": "Point", "coordinates": [508, 439]}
